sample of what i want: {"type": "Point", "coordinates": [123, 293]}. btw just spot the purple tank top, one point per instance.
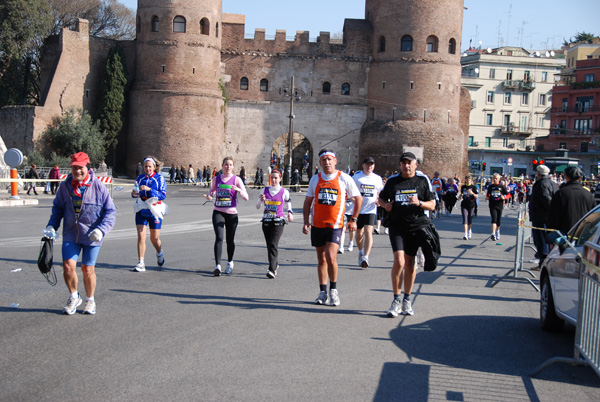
{"type": "Point", "coordinates": [273, 205]}
{"type": "Point", "coordinates": [225, 196]}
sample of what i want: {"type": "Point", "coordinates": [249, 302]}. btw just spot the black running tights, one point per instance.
{"type": "Point", "coordinates": [224, 224]}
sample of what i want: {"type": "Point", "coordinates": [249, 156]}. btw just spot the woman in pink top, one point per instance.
{"type": "Point", "coordinates": [225, 188]}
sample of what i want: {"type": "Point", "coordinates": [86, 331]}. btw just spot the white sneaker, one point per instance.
{"type": "Point", "coordinates": [469, 234]}
{"type": "Point", "coordinates": [90, 307]}
{"type": "Point", "coordinates": [341, 250]}
{"type": "Point", "coordinates": [321, 298]}
{"type": "Point", "coordinates": [386, 231]}
{"type": "Point", "coordinates": [229, 268]}
{"type": "Point", "coordinates": [407, 307]}
{"type": "Point", "coordinates": [350, 247]}
{"type": "Point", "coordinates": [217, 271]}
{"type": "Point", "coordinates": [534, 261]}
{"type": "Point", "coordinates": [396, 309]}
{"type": "Point", "coordinates": [140, 267]}
{"type": "Point", "coordinates": [72, 305]}
{"type": "Point", "coordinates": [498, 235]}
{"type": "Point", "coordinates": [334, 299]}
{"type": "Point", "coordinates": [365, 261]}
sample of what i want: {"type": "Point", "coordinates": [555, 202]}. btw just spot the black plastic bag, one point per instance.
{"type": "Point", "coordinates": [45, 260]}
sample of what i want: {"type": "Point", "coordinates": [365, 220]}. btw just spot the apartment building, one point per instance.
{"type": "Point", "coordinates": [511, 95]}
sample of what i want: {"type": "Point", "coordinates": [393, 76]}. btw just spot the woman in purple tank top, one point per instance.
{"type": "Point", "coordinates": [225, 189]}
{"type": "Point", "coordinates": [273, 198]}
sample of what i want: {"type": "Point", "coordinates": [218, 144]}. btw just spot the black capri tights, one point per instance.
{"type": "Point", "coordinates": [496, 214]}
{"type": "Point", "coordinates": [224, 224]}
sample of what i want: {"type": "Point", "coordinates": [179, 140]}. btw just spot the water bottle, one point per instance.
{"type": "Point", "coordinates": [136, 187]}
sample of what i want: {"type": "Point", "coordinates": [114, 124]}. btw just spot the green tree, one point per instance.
{"type": "Point", "coordinates": [584, 37]}
{"type": "Point", "coordinates": [24, 24]}
{"type": "Point", "coordinates": [112, 98]}
{"type": "Point", "coordinates": [74, 132]}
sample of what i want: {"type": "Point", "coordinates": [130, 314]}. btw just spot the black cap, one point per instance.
{"type": "Point", "coordinates": [408, 155]}
{"type": "Point", "coordinates": [369, 159]}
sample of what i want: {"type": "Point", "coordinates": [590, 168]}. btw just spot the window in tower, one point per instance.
{"type": "Point", "coordinates": [217, 29]}
{"type": "Point", "coordinates": [382, 44]}
{"type": "Point", "coordinates": [345, 88]}
{"type": "Point", "coordinates": [138, 24]}
{"type": "Point", "coordinates": [326, 88]}
{"type": "Point", "coordinates": [179, 24]}
{"type": "Point", "coordinates": [452, 46]}
{"type": "Point", "coordinates": [264, 85]}
{"type": "Point", "coordinates": [244, 84]}
{"type": "Point", "coordinates": [204, 26]}
{"type": "Point", "coordinates": [432, 44]}
{"type": "Point", "coordinates": [406, 43]}
{"type": "Point", "coordinates": [154, 24]}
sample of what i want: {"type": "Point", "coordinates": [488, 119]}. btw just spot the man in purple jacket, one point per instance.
{"type": "Point", "coordinates": [88, 211]}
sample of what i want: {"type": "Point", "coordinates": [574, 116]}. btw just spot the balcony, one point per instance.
{"type": "Point", "coordinates": [513, 129]}
{"type": "Point", "coordinates": [576, 109]}
{"type": "Point", "coordinates": [510, 84]}
{"type": "Point", "coordinates": [527, 85]}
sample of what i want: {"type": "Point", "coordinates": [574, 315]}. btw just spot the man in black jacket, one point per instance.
{"type": "Point", "coordinates": [570, 203]}
{"type": "Point", "coordinates": [539, 204]}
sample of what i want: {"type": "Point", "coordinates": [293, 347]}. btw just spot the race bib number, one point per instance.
{"type": "Point", "coordinates": [271, 208]}
{"type": "Point", "coordinates": [402, 196]}
{"type": "Point", "coordinates": [367, 190]}
{"type": "Point", "coordinates": [223, 198]}
{"type": "Point", "coordinates": [328, 196]}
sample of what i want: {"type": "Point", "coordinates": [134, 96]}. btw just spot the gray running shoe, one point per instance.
{"type": "Point", "coordinates": [160, 260]}
{"type": "Point", "coordinates": [272, 274]}
{"type": "Point", "coordinates": [365, 261]}
{"type": "Point", "coordinates": [229, 268]}
{"type": "Point", "coordinates": [321, 298]}
{"type": "Point", "coordinates": [72, 305]}
{"type": "Point", "coordinates": [334, 299]}
{"type": "Point", "coordinates": [90, 307]}
{"type": "Point", "coordinates": [493, 237]}
{"type": "Point", "coordinates": [395, 309]}
{"type": "Point", "coordinates": [407, 307]}
{"type": "Point", "coordinates": [217, 271]}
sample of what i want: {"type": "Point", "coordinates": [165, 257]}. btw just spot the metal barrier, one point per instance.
{"type": "Point", "coordinates": [523, 233]}
{"type": "Point", "coordinates": [587, 339]}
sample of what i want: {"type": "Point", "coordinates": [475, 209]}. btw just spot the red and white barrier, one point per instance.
{"type": "Point", "coordinates": [103, 179]}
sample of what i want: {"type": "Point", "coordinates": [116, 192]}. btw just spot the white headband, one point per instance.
{"type": "Point", "coordinates": [330, 153]}
{"type": "Point", "coordinates": [151, 160]}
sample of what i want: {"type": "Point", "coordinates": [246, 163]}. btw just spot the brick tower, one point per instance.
{"type": "Point", "coordinates": [176, 105]}
{"type": "Point", "coordinates": [414, 85]}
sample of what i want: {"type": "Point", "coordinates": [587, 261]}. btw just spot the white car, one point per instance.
{"type": "Point", "coordinates": [559, 275]}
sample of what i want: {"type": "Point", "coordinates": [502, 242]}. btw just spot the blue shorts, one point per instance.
{"type": "Point", "coordinates": [152, 222]}
{"type": "Point", "coordinates": [71, 250]}
{"type": "Point", "coordinates": [320, 236]}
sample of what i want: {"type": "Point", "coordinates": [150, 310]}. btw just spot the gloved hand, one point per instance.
{"type": "Point", "coordinates": [49, 232]}
{"type": "Point", "coordinates": [95, 235]}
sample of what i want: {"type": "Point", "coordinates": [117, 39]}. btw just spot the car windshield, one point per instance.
{"type": "Point", "coordinates": [586, 228]}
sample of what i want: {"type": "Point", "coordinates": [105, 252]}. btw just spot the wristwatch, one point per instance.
{"type": "Point", "coordinates": [420, 203]}
{"type": "Point", "coordinates": [353, 219]}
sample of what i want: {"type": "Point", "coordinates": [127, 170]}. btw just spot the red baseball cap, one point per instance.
{"type": "Point", "coordinates": [80, 159]}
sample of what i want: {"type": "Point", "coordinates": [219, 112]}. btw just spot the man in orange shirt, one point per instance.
{"type": "Point", "coordinates": [329, 190]}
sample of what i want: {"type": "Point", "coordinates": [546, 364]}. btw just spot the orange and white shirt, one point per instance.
{"type": "Point", "coordinates": [329, 203]}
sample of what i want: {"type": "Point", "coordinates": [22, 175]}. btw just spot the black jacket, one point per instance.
{"type": "Point", "coordinates": [541, 196]}
{"type": "Point", "coordinates": [570, 203]}
{"type": "Point", "coordinates": [429, 240]}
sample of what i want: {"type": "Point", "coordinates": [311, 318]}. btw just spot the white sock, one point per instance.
{"type": "Point", "coordinates": [159, 254]}
{"type": "Point", "coordinates": [89, 299]}
{"type": "Point", "coordinates": [75, 295]}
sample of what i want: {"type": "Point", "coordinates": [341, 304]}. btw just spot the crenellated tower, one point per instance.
{"type": "Point", "coordinates": [414, 84]}
{"type": "Point", "coordinates": [176, 104]}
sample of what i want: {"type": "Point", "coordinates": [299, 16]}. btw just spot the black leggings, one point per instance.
{"type": "Point", "coordinates": [496, 214]}
{"type": "Point", "coordinates": [272, 234]}
{"type": "Point", "coordinates": [223, 222]}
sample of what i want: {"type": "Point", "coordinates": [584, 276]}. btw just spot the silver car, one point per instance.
{"type": "Point", "coordinates": [559, 275]}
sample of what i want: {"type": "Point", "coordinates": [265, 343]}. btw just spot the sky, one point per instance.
{"type": "Point", "coordinates": [532, 24]}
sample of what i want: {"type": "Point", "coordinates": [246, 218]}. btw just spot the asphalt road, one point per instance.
{"type": "Point", "coordinates": [181, 334]}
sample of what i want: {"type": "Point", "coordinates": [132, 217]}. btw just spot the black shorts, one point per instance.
{"type": "Point", "coordinates": [403, 241]}
{"type": "Point", "coordinates": [320, 236]}
{"type": "Point", "coordinates": [365, 219]}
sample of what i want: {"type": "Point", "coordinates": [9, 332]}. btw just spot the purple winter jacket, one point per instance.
{"type": "Point", "coordinates": [97, 211]}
